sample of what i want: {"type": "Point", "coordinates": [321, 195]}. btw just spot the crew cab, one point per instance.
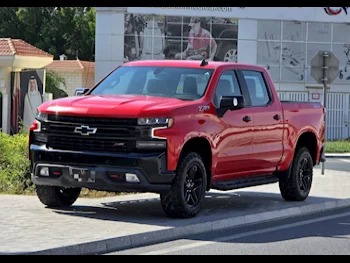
{"type": "Point", "coordinates": [177, 128]}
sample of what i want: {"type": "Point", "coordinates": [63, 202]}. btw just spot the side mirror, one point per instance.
{"type": "Point", "coordinates": [230, 103]}
{"type": "Point", "coordinates": [80, 91]}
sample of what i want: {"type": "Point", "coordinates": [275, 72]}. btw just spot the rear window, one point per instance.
{"type": "Point", "coordinates": [171, 82]}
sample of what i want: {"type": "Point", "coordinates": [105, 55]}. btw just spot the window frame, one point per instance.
{"type": "Point", "coordinates": [245, 87]}
{"type": "Point", "coordinates": [238, 82]}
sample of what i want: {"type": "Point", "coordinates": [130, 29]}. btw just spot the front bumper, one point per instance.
{"type": "Point", "coordinates": [150, 169]}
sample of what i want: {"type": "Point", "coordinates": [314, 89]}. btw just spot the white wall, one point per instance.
{"type": "Point", "coordinates": [109, 40]}
{"type": "Point", "coordinates": [5, 88]}
{"type": "Point", "coordinates": [312, 14]}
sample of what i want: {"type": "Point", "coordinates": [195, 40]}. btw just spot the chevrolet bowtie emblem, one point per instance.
{"type": "Point", "coordinates": [85, 130]}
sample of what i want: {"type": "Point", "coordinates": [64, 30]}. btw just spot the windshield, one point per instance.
{"type": "Point", "coordinates": [170, 82]}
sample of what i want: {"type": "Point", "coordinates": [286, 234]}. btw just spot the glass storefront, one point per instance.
{"type": "Point", "coordinates": [177, 37]}
{"type": "Point", "coordinates": [286, 48]}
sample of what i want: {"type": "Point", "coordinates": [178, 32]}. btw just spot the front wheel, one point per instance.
{"type": "Point", "coordinates": [297, 187]}
{"type": "Point", "coordinates": [54, 196]}
{"type": "Point", "coordinates": [187, 193]}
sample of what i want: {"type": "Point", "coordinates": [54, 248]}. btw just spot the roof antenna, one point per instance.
{"type": "Point", "coordinates": [204, 63]}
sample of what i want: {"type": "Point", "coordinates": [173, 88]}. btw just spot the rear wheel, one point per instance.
{"type": "Point", "coordinates": [187, 193]}
{"type": "Point", "coordinates": [297, 187]}
{"type": "Point", "coordinates": [54, 196]}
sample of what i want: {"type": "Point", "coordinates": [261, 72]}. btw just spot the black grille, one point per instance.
{"type": "Point", "coordinates": [90, 144]}
{"type": "Point", "coordinates": [112, 134]}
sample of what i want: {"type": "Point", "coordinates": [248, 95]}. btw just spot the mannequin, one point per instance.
{"type": "Point", "coordinates": [32, 101]}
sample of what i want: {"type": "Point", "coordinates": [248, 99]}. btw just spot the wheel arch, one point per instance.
{"type": "Point", "coordinates": [308, 139]}
{"type": "Point", "coordinates": [201, 146]}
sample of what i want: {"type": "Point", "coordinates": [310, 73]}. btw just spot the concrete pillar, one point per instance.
{"type": "Point", "coordinates": [109, 49]}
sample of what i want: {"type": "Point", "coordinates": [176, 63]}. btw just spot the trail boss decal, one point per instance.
{"type": "Point", "coordinates": [203, 108]}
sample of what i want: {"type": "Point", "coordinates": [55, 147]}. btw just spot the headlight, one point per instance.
{"type": "Point", "coordinates": [41, 116]}
{"type": "Point", "coordinates": [168, 122]}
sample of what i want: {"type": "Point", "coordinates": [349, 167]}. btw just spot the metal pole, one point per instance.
{"type": "Point", "coordinates": [325, 68]}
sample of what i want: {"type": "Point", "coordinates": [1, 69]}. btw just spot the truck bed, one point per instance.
{"type": "Point", "coordinates": [300, 115]}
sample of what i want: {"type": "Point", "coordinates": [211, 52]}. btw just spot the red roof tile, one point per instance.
{"type": "Point", "coordinates": [11, 47]}
{"type": "Point", "coordinates": [67, 65]}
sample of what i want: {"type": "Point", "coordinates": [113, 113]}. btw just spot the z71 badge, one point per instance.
{"type": "Point", "coordinates": [203, 108]}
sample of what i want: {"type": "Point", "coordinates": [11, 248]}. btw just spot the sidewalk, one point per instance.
{"type": "Point", "coordinates": [103, 225]}
{"type": "Point", "coordinates": [338, 155]}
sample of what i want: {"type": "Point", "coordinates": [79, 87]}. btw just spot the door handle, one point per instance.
{"type": "Point", "coordinates": [277, 117]}
{"type": "Point", "coordinates": [247, 119]}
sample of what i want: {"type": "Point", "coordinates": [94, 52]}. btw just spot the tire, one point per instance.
{"type": "Point", "coordinates": [186, 196]}
{"type": "Point", "coordinates": [297, 187]}
{"type": "Point", "coordinates": [227, 47]}
{"type": "Point", "coordinates": [54, 196]}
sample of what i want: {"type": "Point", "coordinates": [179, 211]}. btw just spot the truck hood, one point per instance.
{"type": "Point", "coordinates": [114, 106]}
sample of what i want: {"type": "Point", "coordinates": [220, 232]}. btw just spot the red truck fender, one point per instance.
{"type": "Point", "coordinates": [306, 137]}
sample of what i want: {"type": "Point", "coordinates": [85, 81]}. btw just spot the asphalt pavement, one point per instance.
{"type": "Point", "coordinates": [326, 233]}
{"type": "Point", "coordinates": [103, 225]}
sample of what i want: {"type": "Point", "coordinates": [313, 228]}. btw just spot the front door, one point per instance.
{"type": "Point", "coordinates": [235, 137]}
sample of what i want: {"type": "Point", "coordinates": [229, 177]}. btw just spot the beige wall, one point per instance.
{"type": "Point", "coordinates": [88, 80]}
{"type": "Point", "coordinates": [76, 79]}
{"type": "Point", "coordinates": [73, 80]}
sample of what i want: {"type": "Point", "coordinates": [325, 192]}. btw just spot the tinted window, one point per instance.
{"type": "Point", "coordinates": [171, 82]}
{"type": "Point", "coordinates": [257, 88]}
{"type": "Point", "coordinates": [227, 86]}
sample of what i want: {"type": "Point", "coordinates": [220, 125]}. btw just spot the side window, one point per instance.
{"type": "Point", "coordinates": [257, 88]}
{"type": "Point", "coordinates": [227, 86]}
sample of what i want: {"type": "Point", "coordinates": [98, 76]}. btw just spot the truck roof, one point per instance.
{"type": "Point", "coordinates": [190, 64]}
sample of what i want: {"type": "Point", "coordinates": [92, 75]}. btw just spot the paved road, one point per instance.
{"type": "Point", "coordinates": [321, 234]}
{"type": "Point", "coordinates": [97, 223]}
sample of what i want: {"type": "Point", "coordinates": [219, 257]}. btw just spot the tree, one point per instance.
{"type": "Point", "coordinates": [54, 82]}
{"type": "Point", "coordinates": [10, 25]}
{"type": "Point", "coordinates": [57, 30]}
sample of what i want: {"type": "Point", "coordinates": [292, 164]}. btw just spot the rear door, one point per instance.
{"type": "Point", "coordinates": [268, 122]}
{"type": "Point", "coordinates": [235, 138]}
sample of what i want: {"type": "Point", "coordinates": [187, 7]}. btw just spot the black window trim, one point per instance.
{"type": "Point", "coordinates": [245, 87]}
{"type": "Point", "coordinates": [244, 92]}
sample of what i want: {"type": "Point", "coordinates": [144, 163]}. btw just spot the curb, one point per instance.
{"type": "Point", "coordinates": [149, 238]}
{"type": "Point", "coordinates": [338, 156]}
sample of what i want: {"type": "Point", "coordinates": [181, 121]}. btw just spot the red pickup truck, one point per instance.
{"type": "Point", "coordinates": [177, 128]}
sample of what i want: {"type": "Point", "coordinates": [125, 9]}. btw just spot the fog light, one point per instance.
{"type": "Point", "coordinates": [132, 178]}
{"type": "Point", "coordinates": [44, 171]}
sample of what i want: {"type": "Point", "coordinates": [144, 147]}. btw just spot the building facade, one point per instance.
{"type": "Point", "coordinates": [282, 39]}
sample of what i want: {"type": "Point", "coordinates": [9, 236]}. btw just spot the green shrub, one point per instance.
{"type": "Point", "coordinates": [338, 146]}
{"type": "Point", "coordinates": [14, 164]}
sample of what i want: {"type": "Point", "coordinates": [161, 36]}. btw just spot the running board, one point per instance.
{"type": "Point", "coordinates": [244, 182]}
